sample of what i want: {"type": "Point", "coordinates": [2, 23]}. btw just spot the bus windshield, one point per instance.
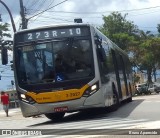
{"type": "Point", "coordinates": [55, 61]}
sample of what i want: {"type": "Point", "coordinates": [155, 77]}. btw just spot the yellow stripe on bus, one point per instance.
{"type": "Point", "coordinates": [58, 96]}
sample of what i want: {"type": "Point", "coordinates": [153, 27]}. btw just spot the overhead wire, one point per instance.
{"type": "Point", "coordinates": [90, 13]}
{"type": "Point", "coordinates": [132, 12]}
{"type": "Point", "coordinates": [102, 12]}
{"type": "Point", "coordinates": [33, 4]}
{"type": "Point", "coordinates": [58, 19]}
{"type": "Point", "coordinates": [41, 4]}
{"type": "Point", "coordinates": [47, 9]}
{"type": "Point", "coordinates": [26, 3]}
{"type": "Point", "coordinates": [46, 16]}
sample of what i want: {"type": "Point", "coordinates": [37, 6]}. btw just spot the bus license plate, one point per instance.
{"type": "Point", "coordinates": [61, 109]}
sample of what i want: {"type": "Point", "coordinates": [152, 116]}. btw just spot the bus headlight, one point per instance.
{"type": "Point", "coordinates": [92, 89]}
{"type": "Point", "coordinates": [23, 96]}
{"type": "Point", "coordinates": [27, 98]}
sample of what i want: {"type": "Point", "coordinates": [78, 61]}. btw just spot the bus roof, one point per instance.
{"type": "Point", "coordinates": [54, 25]}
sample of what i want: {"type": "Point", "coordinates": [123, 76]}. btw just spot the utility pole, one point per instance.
{"type": "Point", "coordinates": [22, 13]}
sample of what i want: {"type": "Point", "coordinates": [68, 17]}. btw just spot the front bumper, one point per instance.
{"type": "Point", "coordinates": [92, 101]}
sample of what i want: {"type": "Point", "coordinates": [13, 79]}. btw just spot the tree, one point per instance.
{"type": "Point", "coordinates": [119, 30]}
{"type": "Point", "coordinates": [4, 33]}
{"type": "Point", "coordinates": [147, 54]}
{"type": "Point", "coordinates": [143, 46]}
{"type": "Point", "coordinates": [4, 29]}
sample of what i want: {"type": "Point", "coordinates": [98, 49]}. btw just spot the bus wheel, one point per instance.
{"type": "Point", "coordinates": [129, 99]}
{"type": "Point", "coordinates": [116, 99]}
{"type": "Point", "coordinates": [55, 116]}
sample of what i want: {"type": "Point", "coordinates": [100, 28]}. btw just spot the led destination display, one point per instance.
{"type": "Point", "coordinates": [52, 34]}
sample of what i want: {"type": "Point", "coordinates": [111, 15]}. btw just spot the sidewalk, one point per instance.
{"type": "Point", "coordinates": [12, 112]}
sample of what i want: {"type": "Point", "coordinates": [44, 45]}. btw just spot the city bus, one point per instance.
{"type": "Point", "coordinates": [68, 68]}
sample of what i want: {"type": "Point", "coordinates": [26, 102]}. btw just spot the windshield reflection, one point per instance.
{"type": "Point", "coordinates": [55, 61]}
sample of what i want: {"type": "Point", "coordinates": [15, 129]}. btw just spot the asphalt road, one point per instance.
{"type": "Point", "coordinates": [142, 107]}
{"type": "Point", "coordinates": [142, 113]}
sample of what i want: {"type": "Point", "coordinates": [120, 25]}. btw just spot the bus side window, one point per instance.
{"type": "Point", "coordinates": [102, 53]}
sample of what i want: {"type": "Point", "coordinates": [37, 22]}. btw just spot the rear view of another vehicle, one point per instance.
{"type": "Point", "coordinates": [157, 89]}
{"type": "Point", "coordinates": [154, 88]}
{"type": "Point", "coordinates": [142, 88]}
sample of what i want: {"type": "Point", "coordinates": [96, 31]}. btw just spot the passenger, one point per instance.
{"type": "Point", "coordinates": [60, 65]}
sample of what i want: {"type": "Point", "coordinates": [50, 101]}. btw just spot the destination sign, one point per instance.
{"type": "Point", "coordinates": [54, 33]}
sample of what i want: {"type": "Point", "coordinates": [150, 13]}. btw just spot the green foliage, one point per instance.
{"type": "Point", "coordinates": [4, 29]}
{"type": "Point", "coordinates": [123, 40]}
{"type": "Point", "coordinates": [119, 30]}
{"type": "Point", "coordinates": [144, 46]}
{"type": "Point", "coordinates": [147, 55]}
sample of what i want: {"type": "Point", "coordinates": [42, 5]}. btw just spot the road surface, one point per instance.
{"type": "Point", "coordinates": [142, 113]}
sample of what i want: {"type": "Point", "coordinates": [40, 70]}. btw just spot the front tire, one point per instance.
{"type": "Point", "coordinates": [55, 116]}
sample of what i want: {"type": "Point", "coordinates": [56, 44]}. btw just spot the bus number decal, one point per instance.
{"type": "Point", "coordinates": [58, 33]}
{"type": "Point", "coordinates": [71, 31]}
{"type": "Point", "coordinates": [78, 31]}
{"type": "Point", "coordinates": [30, 36]}
{"type": "Point", "coordinates": [54, 33]}
{"type": "Point", "coordinates": [38, 34]}
{"type": "Point", "coordinates": [46, 34]}
{"type": "Point", "coordinates": [75, 94]}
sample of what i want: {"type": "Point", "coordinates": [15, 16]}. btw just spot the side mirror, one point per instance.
{"type": "Point", "coordinates": [98, 40]}
{"type": "Point", "coordinates": [102, 54]}
{"type": "Point", "coordinates": [100, 49]}
{"type": "Point", "coordinates": [4, 56]}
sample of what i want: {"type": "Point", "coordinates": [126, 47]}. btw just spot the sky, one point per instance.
{"type": "Point", "coordinates": [6, 74]}
{"type": "Point", "coordinates": [144, 13]}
